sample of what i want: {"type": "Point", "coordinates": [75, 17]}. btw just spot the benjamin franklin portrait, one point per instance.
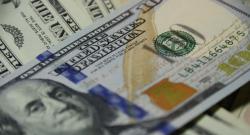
{"type": "Point", "coordinates": [46, 107]}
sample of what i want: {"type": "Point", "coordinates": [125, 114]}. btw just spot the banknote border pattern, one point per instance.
{"type": "Point", "coordinates": [10, 57]}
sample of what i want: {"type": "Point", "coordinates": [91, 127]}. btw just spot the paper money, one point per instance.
{"type": "Point", "coordinates": [241, 105]}
{"type": "Point", "coordinates": [149, 61]}
{"type": "Point", "coordinates": [208, 125]}
{"type": "Point", "coordinates": [230, 120]}
{"type": "Point", "coordinates": [217, 122]}
{"type": "Point", "coordinates": [246, 2]}
{"type": "Point", "coordinates": [245, 114]}
{"type": "Point", "coordinates": [32, 26]}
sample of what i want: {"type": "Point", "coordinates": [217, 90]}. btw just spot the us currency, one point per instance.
{"type": "Point", "coordinates": [246, 2]}
{"type": "Point", "coordinates": [29, 27]}
{"type": "Point", "coordinates": [217, 121]}
{"type": "Point", "coordinates": [241, 105]}
{"type": "Point", "coordinates": [208, 125]}
{"type": "Point", "coordinates": [230, 120]}
{"type": "Point", "coordinates": [243, 113]}
{"type": "Point", "coordinates": [154, 61]}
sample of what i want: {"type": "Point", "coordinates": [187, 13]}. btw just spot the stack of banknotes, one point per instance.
{"type": "Point", "coordinates": [235, 119]}
{"type": "Point", "coordinates": [120, 67]}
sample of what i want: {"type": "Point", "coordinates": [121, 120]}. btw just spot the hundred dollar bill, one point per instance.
{"type": "Point", "coordinates": [29, 27]}
{"type": "Point", "coordinates": [229, 119]}
{"type": "Point", "coordinates": [221, 122]}
{"type": "Point", "coordinates": [210, 126]}
{"type": "Point", "coordinates": [153, 61]}
{"type": "Point", "coordinates": [241, 105]}
{"type": "Point", "coordinates": [207, 125]}
{"type": "Point", "coordinates": [246, 2]}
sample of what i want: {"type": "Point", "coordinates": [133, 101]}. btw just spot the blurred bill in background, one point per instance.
{"type": "Point", "coordinates": [29, 27]}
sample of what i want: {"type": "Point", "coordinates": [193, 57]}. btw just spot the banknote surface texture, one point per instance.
{"type": "Point", "coordinates": [144, 62]}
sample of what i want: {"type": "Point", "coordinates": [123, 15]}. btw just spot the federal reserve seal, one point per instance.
{"type": "Point", "coordinates": [174, 43]}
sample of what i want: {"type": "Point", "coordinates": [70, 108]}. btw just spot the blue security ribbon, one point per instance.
{"type": "Point", "coordinates": [62, 68]}
{"type": "Point", "coordinates": [65, 70]}
{"type": "Point", "coordinates": [44, 56]}
{"type": "Point", "coordinates": [165, 127]}
{"type": "Point", "coordinates": [119, 102]}
{"type": "Point", "coordinates": [70, 73]}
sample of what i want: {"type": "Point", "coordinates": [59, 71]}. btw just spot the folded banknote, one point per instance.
{"type": "Point", "coordinates": [29, 27]}
{"type": "Point", "coordinates": [155, 64]}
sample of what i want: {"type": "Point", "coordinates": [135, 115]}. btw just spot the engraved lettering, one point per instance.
{"type": "Point", "coordinates": [58, 31]}
{"type": "Point", "coordinates": [42, 10]}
